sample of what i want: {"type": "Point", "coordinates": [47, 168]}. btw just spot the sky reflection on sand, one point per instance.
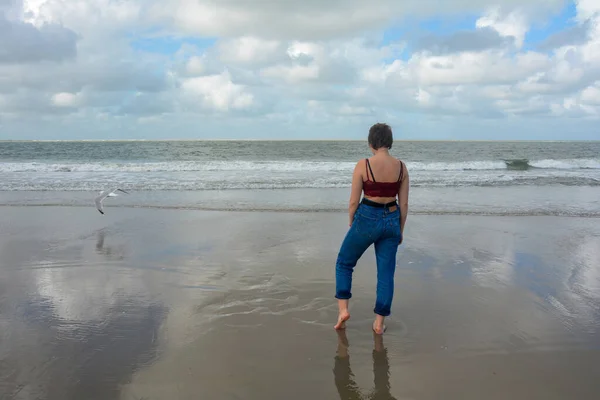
{"type": "Point", "coordinates": [157, 304]}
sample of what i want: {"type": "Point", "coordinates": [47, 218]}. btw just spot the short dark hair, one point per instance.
{"type": "Point", "coordinates": [380, 135]}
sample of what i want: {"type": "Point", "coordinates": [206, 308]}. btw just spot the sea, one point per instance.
{"type": "Point", "coordinates": [447, 177]}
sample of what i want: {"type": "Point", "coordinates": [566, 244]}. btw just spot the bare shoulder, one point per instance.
{"type": "Point", "coordinates": [358, 170]}
{"type": "Point", "coordinates": [403, 170]}
{"type": "Point", "coordinates": [402, 164]}
{"type": "Point", "coordinates": [361, 163]}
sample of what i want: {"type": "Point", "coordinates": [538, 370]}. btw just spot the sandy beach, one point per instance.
{"type": "Point", "coordinates": [175, 304]}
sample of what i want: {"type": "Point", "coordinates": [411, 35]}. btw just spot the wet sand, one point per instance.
{"type": "Point", "coordinates": [173, 304]}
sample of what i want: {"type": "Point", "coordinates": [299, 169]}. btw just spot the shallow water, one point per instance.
{"type": "Point", "coordinates": [499, 201]}
{"type": "Point", "coordinates": [155, 304]}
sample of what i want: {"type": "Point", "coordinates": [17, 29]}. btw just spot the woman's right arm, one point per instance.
{"type": "Point", "coordinates": [403, 198]}
{"type": "Point", "coordinates": [355, 192]}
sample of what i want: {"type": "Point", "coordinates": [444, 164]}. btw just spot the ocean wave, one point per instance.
{"type": "Point", "coordinates": [531, 212]}
{"type": "Point", "coordinates": [168, 183]}
{"type": "Point", "coordinates": [291, 166]}
{"type": "Point", "coordinates": [178, 166]}
{"type": "Point", "coordinates": [567, 164]}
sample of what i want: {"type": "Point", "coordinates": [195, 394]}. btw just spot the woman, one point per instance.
{"type": "Point", "coordinates": [378, 219]}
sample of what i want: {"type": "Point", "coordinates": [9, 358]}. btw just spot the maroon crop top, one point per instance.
{"type": "Point", "coordinates": [372, 188]}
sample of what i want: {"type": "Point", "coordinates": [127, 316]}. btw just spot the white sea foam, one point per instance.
{"type": "Point", "coordinates": [225, 175]}
{"type": "Point", "coordinates": [278, 166]}
{"type": "Point", "coordinates": [457, 166]}
{"type": "Point", "coordinates": [566, 164]}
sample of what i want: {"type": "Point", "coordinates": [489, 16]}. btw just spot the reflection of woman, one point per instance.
{"type": "Point", "coordinates": [344, 378]}
{"type": "Point", "coordinates": [378, 220]}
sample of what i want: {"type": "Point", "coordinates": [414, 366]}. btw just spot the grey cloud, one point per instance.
{"type": "Point", "coordinates": [104, 74]}
{"type": "Point", "coordinates": [477, 40]}
{"type": "Point", "coordinates": [246, 77]}
{"type": "Point", "coordinates": [27, 102]}
{"type": "Point", "coordinates": [11, 8]}
{"type": "Point", "coordinates": [572, 36]}
{"type": "Point", "coordinates": [119, 76]}
{"type": "Point", "coordinates": [22, 42]}
{"type": "Point", "coordinates": [470, 108]}
{"type": "Point", "coordinates": [549, 85]}
{"type": "Point", "coordinates": [146, 105]}
{"type": "Point", "coordinates": [311, 19]}
{"type": "Point", "coordinates": [338, 71]}
{"type": "Point", "coordinates": [532, 111]}
{"type": "Point", "coordinates": [102, 83]}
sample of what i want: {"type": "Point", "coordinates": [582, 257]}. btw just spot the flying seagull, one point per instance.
{"type": "Point", "coordinates": [104, 194]}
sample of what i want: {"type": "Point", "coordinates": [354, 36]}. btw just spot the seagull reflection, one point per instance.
{"type": "Point", "coordinates": [344, 378]}
{"type": "Point", "coordinates": [110, 252]}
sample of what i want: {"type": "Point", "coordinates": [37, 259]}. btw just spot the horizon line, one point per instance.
{"type": "Point", "coordinates": [295, 140]}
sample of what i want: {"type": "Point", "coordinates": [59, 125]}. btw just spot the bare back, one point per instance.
{"type": "Point", "coordinates": [383, 168]}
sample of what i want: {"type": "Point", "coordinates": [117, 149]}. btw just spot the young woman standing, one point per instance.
{"type": "Point", "coordinates": [378, 219]}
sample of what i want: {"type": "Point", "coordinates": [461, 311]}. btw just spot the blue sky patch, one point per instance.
{"type": "Point", "coordinates": [168, 44]}
{"type": "Point", "coordinates": [539, 32]}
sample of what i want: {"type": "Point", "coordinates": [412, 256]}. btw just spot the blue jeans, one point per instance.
{"type": "Point", "coordinates": [371, 225]}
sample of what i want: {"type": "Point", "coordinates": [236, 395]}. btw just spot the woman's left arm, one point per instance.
{"type": "Point", "coordinates": [357, 187]}
{"type": "Point", "coordinates": [403, 200]}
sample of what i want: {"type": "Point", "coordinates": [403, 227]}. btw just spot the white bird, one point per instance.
{"type": "Point", "coordinates": [104, 194]}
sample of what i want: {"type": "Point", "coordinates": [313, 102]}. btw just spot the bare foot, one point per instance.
{"type": "Point", "coordinates": [379, 328]}
{"type": "Point", "coordinates": [342, 318]}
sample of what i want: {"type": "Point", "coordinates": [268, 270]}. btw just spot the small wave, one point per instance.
{"type": "Point", "coordinates": [178, 166]}
{"type": "Point", "coordinates": [233, 180]}
{"type": "Point", "coordinates": [518, 165]}
{"type": "Point", "coordinates": [568, 164]}
{"type": "Point", "coordinates": [456, 166]}
{"type": "Point", "coordinates": [289, 166]}
{"type": "Point", "coordinates": [226, 185]}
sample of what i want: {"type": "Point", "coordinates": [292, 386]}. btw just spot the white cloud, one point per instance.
{"type": "Point", "coordinates": [90, 18]}
{"type": "Point", "coordinates": [571, 108]}
{"type": "Point", "coordinates": [587, 9]}
{"type": "Point", "coordinates": [513, 24]}
{"type": "Point", "coordinates": [297, 50]}
{"type": "Point", "coordinates": [217, 92]}
{"type": "Point", "coordinates": [487, 67]}
{"type": "Point", "coordinates": [65, 99]}
{"type": "Point", "coordinates": [292, 74]}
{"type": "Point", "coordinates": [331, 62]}
{"type": "Point", "coordinates": [423, 97]}
{"type": "Point", "coordinates": [195, 66]}
{"type": "Point", "coordinates": [293, 62]}
{"type": "Point", "coordinates": [349, 110]}
{"type": "Point", "coordinates": [309, 19]}
{"type": "Point", "coordinates": [591, 95]}
{"type": "Point", "coordinates": [248, 50]}
{"type": "Point", "coordinates": [23, 42]}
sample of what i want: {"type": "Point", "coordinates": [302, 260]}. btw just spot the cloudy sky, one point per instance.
{"type": "Point", "coordinates": [451, 69]}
